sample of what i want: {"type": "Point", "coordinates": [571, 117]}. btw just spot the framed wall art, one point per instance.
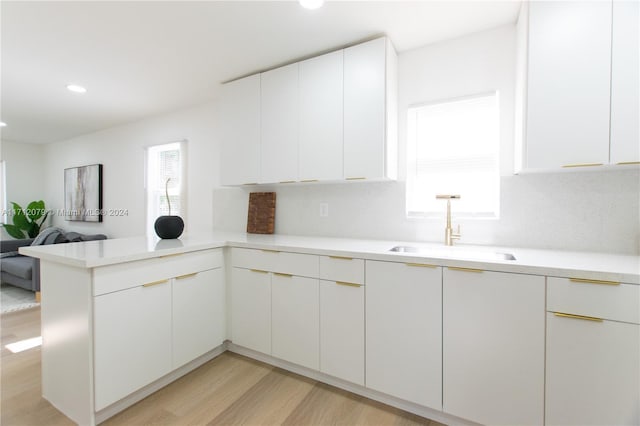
{"type": "Point", "coordinates": [83, 193]}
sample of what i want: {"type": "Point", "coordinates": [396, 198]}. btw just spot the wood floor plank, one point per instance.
{"type": "Point", "coordinates": [229, 390]}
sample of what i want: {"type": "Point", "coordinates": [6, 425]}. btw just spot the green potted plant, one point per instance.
{"type": "Point", "coordinates": [26, 223]}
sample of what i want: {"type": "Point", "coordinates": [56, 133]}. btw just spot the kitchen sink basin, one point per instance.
{"type": "Point", "coordinates": [454, 252]}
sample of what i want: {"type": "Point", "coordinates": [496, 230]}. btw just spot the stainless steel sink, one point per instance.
{"type": "Point", "coordinates": [454, 252]}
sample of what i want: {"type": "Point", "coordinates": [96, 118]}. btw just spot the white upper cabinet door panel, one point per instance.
{"type": "Point", "coordinates": [569, 83]}
{"type": "Point", "coordinates": [321, 89]}
{"type": "Point", "coordinates": [279, 124]}
{"type": "Point", "coordinates": [625, 81]}
{"type": "Point", "coordinates": [364, 109]}
{"type": "Point", "coordinates": [240, 127]}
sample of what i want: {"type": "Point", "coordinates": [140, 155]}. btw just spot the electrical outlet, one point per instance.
{"type": "Point", "coordinates": [324, 209]}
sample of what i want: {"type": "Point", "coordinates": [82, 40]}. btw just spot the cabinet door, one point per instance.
{"type": "Point", "coordinates": [493, 347]}
{"type": "Point", "coordinates": [593, 372]}
{"type": "Point", "coordinates": [295, 320]}
{"type": "Point", "coordinates": [240, 132]}
{"type": "Point", "coordinates": [198, 314]}
{"type": "Point", "coordinates": [342, 330]}
{"type": "Point", "coordinates": [132, 340]}
{"type": "Point", "coordinates": [625, 83]}
{"type": "Point", "coordinates": [404, 331]}
{"type": "Point", "coordinates": [364, 109]}
{"type": "Point", "coordinates": [568, 83]}
{"type": "Point", "coordinates": [279, 124]}
{"type": "Point", "coordinates": [251, 309]}
{"type": "Point", "coordinates": [321, 117]}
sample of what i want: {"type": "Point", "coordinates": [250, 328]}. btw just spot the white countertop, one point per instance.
{"type": "Point", "coordinates": [599, 266]}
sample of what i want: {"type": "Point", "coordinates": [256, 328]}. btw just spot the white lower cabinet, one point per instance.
{"type": "Point", "coordinates": [342, 330]}
{"type": "Point", "coordinates": [295, 319]}
{"type": "Point", "coordinates": [198, 314]}
{"type": "Point", "coordinates": [404, 331]}
{"type": "Point", "coordinates": [493, 346]}
{"type": "Point", "coordinates": [593, 372]}
{"type": "Point", "coordinates": [132, 343]}
{"type": "Point", "coordinates": [251, 309]}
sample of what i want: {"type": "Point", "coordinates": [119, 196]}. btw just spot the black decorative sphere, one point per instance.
{"type": "Point", "coordinates": [169, 227]}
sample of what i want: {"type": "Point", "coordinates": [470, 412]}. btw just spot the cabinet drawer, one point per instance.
{"type": "Point", "coordinates": [600, 299]}
{"type": "Point", "coordinates": [305, 265]}
{"type": "Point", "coordinates": [346, 269]}
{"type": "Point", "coordinates": [112, 278]}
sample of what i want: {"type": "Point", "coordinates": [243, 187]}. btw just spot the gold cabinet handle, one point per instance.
{"type": "Point", "coordinates": [182, 277]}
{"type": "Point", "coordinates": [580, 317]}
{"type": "Point", "coordinates": [568, 166]}
{"type": "Point", "coordinates": [309, 180]}
{"type": "Point", "coordinates": [340, 258]}
{"type": "Point", "coordinates": [151, 284]}
{"type": "Point", "coordinates": [287, 181]}
{"type": "Point", "coordinates": [270, 251]}
{"type": "Point", "coordinates": [421, 265]}
{"type": "Point", "coordinates": [280, 274]}
{"type": "Point", "coordinates": [587, 281]}
{"type": "Point", "coordinates": [260, 271]}
{"type": "Point", "coordinates": [356, 178]}
{"type": "Point", "coordinates": [458, 268]}
{"type": "Point", "coordinates": [250, 183]}
{"type": "Point", "coordinates": [348, 284]}
{"type": "Point", "coordinates": [627, 163]}
{"type": "Point", "coordinates": [171, 255]}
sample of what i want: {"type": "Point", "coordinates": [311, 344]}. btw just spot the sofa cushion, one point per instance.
{"type": "Point", "coordinates": [20, 266]}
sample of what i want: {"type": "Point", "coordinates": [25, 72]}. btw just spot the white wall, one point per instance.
{"type": "Point", "coordinates": [121, 151]}
{"type": "Point", "coordinates": [24, 174]}
{"type": "Point", "coordinates": [572, 211]}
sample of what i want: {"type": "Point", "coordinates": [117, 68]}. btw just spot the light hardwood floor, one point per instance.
{"type": "Point", "coordinates": [230, 389]}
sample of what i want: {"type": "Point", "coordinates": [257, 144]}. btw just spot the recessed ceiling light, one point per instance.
{"type": "Point", "coordinates": [3, 124]}
{"type": "Point", "coordinates": [311, 4]}
{"type": "Point", "coordinates": [75, 88]}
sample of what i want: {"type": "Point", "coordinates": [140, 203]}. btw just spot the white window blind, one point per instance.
{"type": "Point", "coordinates": [453, 148]}
{"type": "Point", "coordinates": [165, 162]}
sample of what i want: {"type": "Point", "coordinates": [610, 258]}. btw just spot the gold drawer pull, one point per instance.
{"type": "Point", "coordinates": [586, 281]}
{"type": "Point", "coordinates": [309, 180]}
{"type": "Point", "coordinates": [280, 274]}
{"type": "Point", "coordinates": [421, 265]}
{"type": "Point", "coordinates": [458, 268]}
{"type": "Point", "coordinates": [171, 255]}
{"type": "Point", "coordinates": [260, 271]}
{"type": "Point", "coordinates": [356, 178]}
{"type": "Point", "coordinates": [626, 163]}
{"type": "Point", "coordinates": [151, 284]}
{"type": "Point", "coordinates": [567, 166]}
{"type": "Point", "coordinates": [270, 251]}
{"type": "Point", "coordinates": [287, 181]}
{"type": "Point", "coordinates": [348, 284]}
{"type": "Point", "coordinates": [250, 183]}
{"type": "Point", "coordinates": [182, 277]}
{"type": "Point", "coordinates": [340, 257]}
{"type": "Point", "coordinates": [580, 317]}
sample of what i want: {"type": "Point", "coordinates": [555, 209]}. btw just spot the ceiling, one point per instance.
{"type": "Point", "coordinates": [139, 59]}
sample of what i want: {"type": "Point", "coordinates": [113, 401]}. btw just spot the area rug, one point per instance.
{"type": "Point", "coordinates": [16, 299]}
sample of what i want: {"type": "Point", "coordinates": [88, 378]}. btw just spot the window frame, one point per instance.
{"type": "Point", "coordinates": [412, 160]}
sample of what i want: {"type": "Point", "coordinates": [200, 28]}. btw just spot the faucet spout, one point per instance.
{"type": "Point", "coordinates": [449, 235]}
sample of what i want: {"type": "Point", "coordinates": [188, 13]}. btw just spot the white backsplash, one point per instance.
{"type": "Point", "coordinates": [585, 211]}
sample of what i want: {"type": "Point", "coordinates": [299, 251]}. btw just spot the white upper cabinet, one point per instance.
{"type": "Point", "coordinates": [279, 124]}
{"type": "Point", "coordinates": [569, 78]}
{"type": "Point", "coordinates": [240, 132]}
{"type": "Point", "coordinates": [370, 110]}
{"type": "Point", "coordinates": [320, 145]}
{"type": "Point", "coordinates": [625, 73]}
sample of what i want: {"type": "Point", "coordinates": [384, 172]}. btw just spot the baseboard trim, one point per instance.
{"type": "Point", "coordinates": [139, 395]}
{"type": "Point", "coordinates": [420, 410]}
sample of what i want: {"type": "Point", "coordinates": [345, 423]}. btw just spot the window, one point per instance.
{"type": "Point", "coordinates": [453, 148]}
{"type": "Point", "coordinates": [165, 162]}
{"type": "Point", "coordinates": [3, 194]}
